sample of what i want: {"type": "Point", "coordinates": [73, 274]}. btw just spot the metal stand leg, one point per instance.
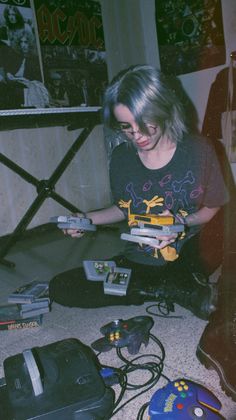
{"type": "Point", "coordinates": [45, 189]}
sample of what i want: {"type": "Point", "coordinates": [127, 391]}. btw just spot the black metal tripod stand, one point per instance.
{"type": "Point", "coordinates": [45, 187]}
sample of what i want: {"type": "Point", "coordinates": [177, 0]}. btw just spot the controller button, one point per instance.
{"type": "Point", "coordinates": [182, 382]}
{"type": "Point", "coordinates": [176, 384]}
{"type": "Point", "coordinates": [180, 388]}
{"type": "Point", "coordinates": [180, 406]}
{"type": "Point", "coordinates": [198, 411]}
{"type": "Point", "coordinates": [183, 394]}
{"type": "Point", "coordinates": [186, 387]}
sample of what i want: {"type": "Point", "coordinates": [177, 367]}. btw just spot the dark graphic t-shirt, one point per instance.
{"type": "Point", "coordinates": [190, 180]}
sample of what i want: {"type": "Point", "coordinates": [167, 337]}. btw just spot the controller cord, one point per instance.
{"type": "Point", "coordinates": [154, 367]}
{"type": "Point", "coordinates": [163, 305]}
{"type": "Point", "coordinates": [164, 309]}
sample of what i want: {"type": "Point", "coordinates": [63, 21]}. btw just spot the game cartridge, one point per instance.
{"type": "Point", "coordinates": [160, 230]}
{"type": "Point", "coordinates": [140, 239]}
{"type": "Point", "coordinates": [97, 270]}
{"type": "Point", "coordinates": [117, 281]}
{"type": "Point", "coordinates": [73, 222]}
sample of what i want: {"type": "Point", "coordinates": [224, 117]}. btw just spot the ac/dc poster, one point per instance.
{"type": "Point", "coordinates": [73, 51]}
{"type": "Point", "coordinates": [52, 54]}
{"type": "Point", "coordinates": [190, 35]}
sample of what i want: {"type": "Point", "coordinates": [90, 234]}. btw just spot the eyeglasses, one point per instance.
{"type": "Point", "coordinates": [128, 130]}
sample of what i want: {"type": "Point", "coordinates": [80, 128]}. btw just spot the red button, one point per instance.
{"type": "Point", "coordinates": [180, 406]}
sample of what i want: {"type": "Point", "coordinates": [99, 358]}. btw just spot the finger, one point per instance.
{"type": "Point", "coordinates": [74, 233]}
{"type": "Point", "coordinates": [163, 244]}
{"type": "Point", "coordinates": [168, 238]}
{"type": "Point", "coordinates": [77, 233]}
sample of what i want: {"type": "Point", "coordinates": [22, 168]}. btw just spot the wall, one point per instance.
{"type": "Point", "coordinates": [130, 36]}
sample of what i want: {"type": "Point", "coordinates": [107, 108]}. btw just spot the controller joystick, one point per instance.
{"type": "Point", "coordinates": [129, 333]}
{"type": "Point", "coordinates": [183, 399]}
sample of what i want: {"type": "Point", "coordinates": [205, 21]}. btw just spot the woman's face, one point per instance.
{"type": "Point", "coordinates": [142, 142]}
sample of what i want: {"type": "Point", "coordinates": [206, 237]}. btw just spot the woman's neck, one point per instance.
{"type": "Point", "coordinates": [160, 156]}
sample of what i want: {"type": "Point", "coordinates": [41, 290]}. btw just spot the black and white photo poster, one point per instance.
{"type": "Point", "coordinates": [20, 71]}
{"type": "Point", "coordinates": [52, 54]}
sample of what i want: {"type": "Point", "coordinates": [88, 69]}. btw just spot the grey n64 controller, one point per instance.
{"type": "Point", "coordinates": [130, 333]}
{"type": "Point", "coordinates": [183, 399]}
{"type": "Point", "coordinates": [73, 222]}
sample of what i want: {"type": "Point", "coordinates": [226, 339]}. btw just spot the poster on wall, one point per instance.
{"type": "Point", "coordinates": [73, 51]}
{"type": "Point", "coordinates": [52, 54]}
{"type": "Point", "coordinates": [190, 35]}
{"type": "Point", "coordinates": [20, 70]}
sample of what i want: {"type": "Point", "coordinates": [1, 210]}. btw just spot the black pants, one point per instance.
{"type": "Point", "coordinates": [71, 288]}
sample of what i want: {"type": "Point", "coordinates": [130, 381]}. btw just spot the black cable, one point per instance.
{"type": "Point", "coordinates": [164, 305]}
{"type": "Point", "coordinates": [161, 306]}
{"type": "Point", "coordinates": [155, 369]}
{"type": "Point", "coordinates": [142, 411]}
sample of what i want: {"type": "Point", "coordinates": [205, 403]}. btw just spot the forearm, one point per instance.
{"type": "Point", "coordinates": [202, 216]}
{"type": "Point", "coordinates": [106, 216]}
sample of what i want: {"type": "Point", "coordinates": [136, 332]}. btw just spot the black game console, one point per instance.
{"type": "Point", "coordinates": [56, 382]}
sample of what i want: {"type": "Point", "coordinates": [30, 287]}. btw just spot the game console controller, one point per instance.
{"type": "Point", "coordinates": [130, 333]}
{"type": "Point", "coordinates": [73, 222]}
{"type": "Point", "coordinates": [183, 399]}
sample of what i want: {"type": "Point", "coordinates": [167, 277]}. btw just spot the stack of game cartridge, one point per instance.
{"type": "Point", "coordinates": [32, 299]}
{"type": "Point", "coordinates": [26, 306]}
{"type": "Point", "coordinates": [10, 318]}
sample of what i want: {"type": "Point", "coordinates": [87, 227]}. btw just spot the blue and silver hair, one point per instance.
{"type": "Point", "coordinates": [150, 97]}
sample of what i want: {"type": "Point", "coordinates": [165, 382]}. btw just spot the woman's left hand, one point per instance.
{"type": "Point", "coordinates": [166, 240]}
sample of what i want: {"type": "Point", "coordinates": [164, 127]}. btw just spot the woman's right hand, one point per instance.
{"type": "Point", "coordinates": [74, 233]}
{"type": "Point", "coordinates": [108, 215]}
